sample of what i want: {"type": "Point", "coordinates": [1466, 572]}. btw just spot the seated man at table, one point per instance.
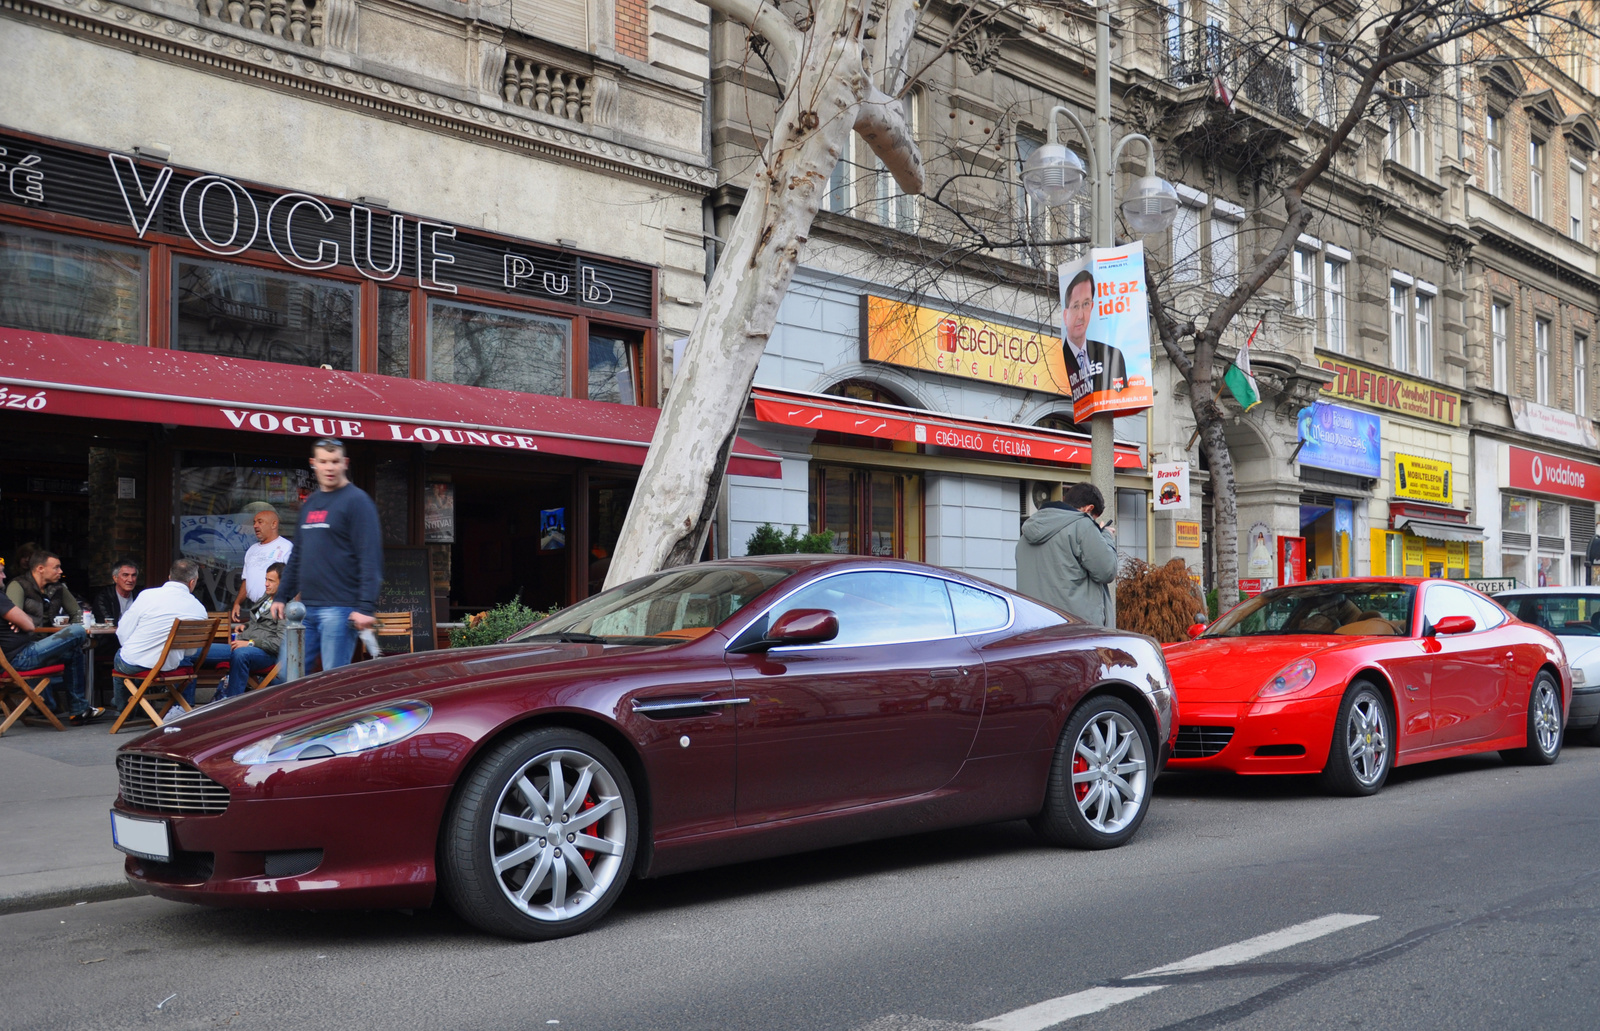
{"type": "Point", "coordinates": [254, 648]}
{"type": "Point", "coordinates": [114, 600]}
{"type": "Point", "coordinates": [41, 593]}
{"type": "Point", "coordinates": [143, 629]}
{"type": "Point", "coordinates": [62, 648]}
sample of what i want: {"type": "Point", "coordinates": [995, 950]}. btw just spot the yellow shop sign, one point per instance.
{"type": "Point", "coordinates": [1423, 479]}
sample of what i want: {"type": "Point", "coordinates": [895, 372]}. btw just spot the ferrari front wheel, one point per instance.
{"type": "Point", "coordinates": [1362, 751]}
{"type": "Point", "coordinates": [541, 837]}
{"type": "Point", "coordinates": [1544, 724]}
{"type": "Point", "coordinates": [1100, 778]}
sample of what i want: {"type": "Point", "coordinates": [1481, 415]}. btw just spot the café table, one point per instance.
{"type": "Point", "coordinates": [94, 630]}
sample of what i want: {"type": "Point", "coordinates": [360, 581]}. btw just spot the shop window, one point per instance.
{"type": "Point", "coordinates": [614, 362]}
{"type": "Point", "coordinates": [491, 347]}
{"type": "Point", "coordinates": [868, 511]}
{"type": "Point", "coordinates": [1552, 519]}
{"type": "Point", "coordinates": [392, 494]}
{"type": "Point", "coordinates": [1514, 513]}
{"type": "Point", "coordinates": [215, 499]}
{"type": "Point", "coordinates": [608, 508]}
{"type": "Point", "coordinates": [394, 332]}
{"type": "Point", "coordinates": [241, 312]}
{"type": "Point", "coordinates": [60, 284]}
{"type": "Point", "coordinates": [1133, 515]}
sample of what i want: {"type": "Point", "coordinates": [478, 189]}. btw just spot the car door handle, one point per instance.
{"type": "Point", "coordinates": [947, 672]}
{"type": "Point", "coordinates": [654, 706]}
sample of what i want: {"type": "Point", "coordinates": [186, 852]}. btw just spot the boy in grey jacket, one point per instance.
{"type": "Point", "coordinates": [1065, 558]}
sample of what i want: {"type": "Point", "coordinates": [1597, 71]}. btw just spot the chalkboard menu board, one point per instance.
{"type": "Point", "coordinates": [408, 587]}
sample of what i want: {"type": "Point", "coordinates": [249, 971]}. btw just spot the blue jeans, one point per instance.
{"type": "Point", "coordinates": [242, 662]}
{"type": "Point", "coordinates": [62, 648]}
{"type": "Point", "coordinates": [330, 635]}
{"type": "Point", "coordinates": [121, 668]}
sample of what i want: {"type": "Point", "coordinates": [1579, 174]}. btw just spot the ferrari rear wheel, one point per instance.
{"type": "Point", "coordinates": [1544, 725]}
{"type": "Point", "coordinates": [541, 837]}
{"type": "Point", "coordinates": [1362, 752]}
{"type": "Point", "coordinates": [1100, 778]}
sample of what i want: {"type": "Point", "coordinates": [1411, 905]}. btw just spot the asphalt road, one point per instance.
{"type": "Point", "coordinates": [1469, 892]}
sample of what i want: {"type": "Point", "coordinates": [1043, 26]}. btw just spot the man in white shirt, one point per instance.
{"type": "Point", "coordinates": [143, 629]}
{"type": "Point", "coordinates": [268, 549]}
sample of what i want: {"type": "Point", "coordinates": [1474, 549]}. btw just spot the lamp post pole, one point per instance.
{"type": "Point", "coordinates": [1102, 426]}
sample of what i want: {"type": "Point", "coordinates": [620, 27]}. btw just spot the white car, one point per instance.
{"type": "Point", "coordinates": [1573, 615]}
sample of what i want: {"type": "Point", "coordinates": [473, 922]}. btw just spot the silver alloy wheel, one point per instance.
{"type": "Point", "coordinates": [560, 830]}
{"type": "Point", "coordinates": [1109, 772]}
{"type": "Point", "coordinates": [1367, 739]}
{"type": "Point", "coordinates": [1546, 716]}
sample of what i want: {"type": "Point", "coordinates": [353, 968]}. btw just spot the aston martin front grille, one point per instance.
{"type": "Point", "coordinates": [1201, 742]}
{"type": "Point", "coordinates": [168, 786]}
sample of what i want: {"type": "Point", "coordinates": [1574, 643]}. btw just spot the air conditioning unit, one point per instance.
{"type": "Point", "coordinates": [1035, 493]}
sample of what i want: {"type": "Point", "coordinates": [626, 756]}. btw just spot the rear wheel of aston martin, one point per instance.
{"type": "Point", "coordinates": [541, 836]}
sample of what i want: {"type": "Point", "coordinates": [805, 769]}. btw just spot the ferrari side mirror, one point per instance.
{"type": "Point", "coordinates": [1196, 629]}
{"type": "Point", "coordinates": [1455, 625]}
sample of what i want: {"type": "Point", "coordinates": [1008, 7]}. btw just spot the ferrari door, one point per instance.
{"type": "Point", "coordinates": [1470, 670]}
{"type": "Point", "coordinates": [887, 709]}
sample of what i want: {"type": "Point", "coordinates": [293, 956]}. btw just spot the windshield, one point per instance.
{"type": "Point", "coordinates": [1378, 610]}
{"type": "Point", "coordinates": [1565, 615]}
{"type": "Point", "coordinates": [676, 605]}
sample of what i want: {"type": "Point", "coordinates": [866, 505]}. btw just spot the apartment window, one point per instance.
{"type": "Point", "coordinates": [1541, 361]}
{"type": "Point", "coordinates": [1580, 375]}
{"type": "Point", "coordinates": [1225, 221]}
{"type": "Point", "coordinates": [1399, 326]}
{"type": "Point", "coordinates": [1577, 171]}
{"type": "Point", "coordinates": [1494, 132]}
{"type": "Point", "coordinates": [1333, 303]}
{"type": "Point", "coordinates": [1297, 62]}
{"type": "Point", "coordinates": [1536, 156]}
{"type": "Point", "coordinates": [1186, 244]}
{"type": "Point", "coordinates": [862, 187]}
{"type": "Point", "coordinates": [1175, 33]}
{"type": "Point", "coordinates": [1497, 346]}
{"type": "Point", "coordinates": [1305, 284]}
{"type": "Point", "coordinates": [1424, 330]}
{"type": "Point", "coordinates": [1407, 141]}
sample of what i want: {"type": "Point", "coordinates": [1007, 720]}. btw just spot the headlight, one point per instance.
{"type": "Point", "coordinates": [1292, 677]}
{"type": "Point", "coordinates": [345, 735]}
{"type": "Point", "coordinates": [1577, 675]}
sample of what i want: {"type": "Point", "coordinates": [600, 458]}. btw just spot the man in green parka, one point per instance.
{"type": "Point", "coordinates": [1066, 559]}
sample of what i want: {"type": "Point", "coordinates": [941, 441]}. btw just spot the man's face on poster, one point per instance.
{"type": "Point", "coordinates": [1080, 308]}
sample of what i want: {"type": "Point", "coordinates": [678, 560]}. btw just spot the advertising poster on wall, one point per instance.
{"type": "Point", "coordinates": [1424, 479]}
{"type": "Point", "coordinates": [1106, 331]}
{"type": "Point", "coordinates": [439, 513]}
{"type": "Point", "coordinates": [1341, 440]}
{"type": "Point", "coordinates": [552, 529]}
{"type": "Point", "coordinates": [1171, 486]}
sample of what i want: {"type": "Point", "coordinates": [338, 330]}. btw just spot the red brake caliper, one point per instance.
{"type": "Point", "coordinates": [587, 854]}
{"type": "Point", "coordinates": [1080, 765]}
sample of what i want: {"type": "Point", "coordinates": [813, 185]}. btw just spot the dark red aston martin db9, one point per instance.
{"type": "Point", "coordinates": [705, 715]}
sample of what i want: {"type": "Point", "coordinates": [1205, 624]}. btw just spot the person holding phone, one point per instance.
{"type": "Point", "coordinates": [1066, 559]}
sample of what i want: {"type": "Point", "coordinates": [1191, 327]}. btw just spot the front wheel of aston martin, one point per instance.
{"type": "Point", "coordinates": [541, 836]}
{"type": "Point", "coordinates": [1100, 778]}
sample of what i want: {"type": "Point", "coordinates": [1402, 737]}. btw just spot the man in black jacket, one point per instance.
{"type": "Point", "coordinates": [337, 564]}
{"type": "Point", "coordinates": [112, 601]}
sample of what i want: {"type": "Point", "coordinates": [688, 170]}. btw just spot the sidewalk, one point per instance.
{"type": "Point", "coordinates": [56, 789]}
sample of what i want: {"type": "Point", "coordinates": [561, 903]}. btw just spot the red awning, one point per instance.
{"type": "Point", "coordinates": [892, 422]}
{"type": "Point", "coordinates": [60, 375]}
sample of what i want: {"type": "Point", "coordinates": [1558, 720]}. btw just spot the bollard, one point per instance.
{"type": "Point", "coordinates": [293, 648]}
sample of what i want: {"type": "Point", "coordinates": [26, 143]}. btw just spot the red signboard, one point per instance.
{"type": "Point", "coordinates": [1250, 588]}
{"type": "Point", "coordinates": [1291, 560]}
{"type": "Point", "coordinates": [1552, 474]}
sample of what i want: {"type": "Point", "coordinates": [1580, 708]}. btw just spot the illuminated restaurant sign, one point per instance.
{"type": "Point", "coordinates": [959, 345]}
{"type": "Point", "coordinates": [1379, 389]}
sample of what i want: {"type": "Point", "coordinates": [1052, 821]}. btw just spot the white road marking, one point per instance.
{"type": "Point", "coordinates": [1054, 1011]}
{"type": "Point", "coordinates": [1093, 1000]}
{"type": "Point", "coordinates": [1251, 948]}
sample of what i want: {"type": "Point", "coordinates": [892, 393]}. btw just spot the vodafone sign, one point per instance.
{"type": "Point", "coordinates": [1549, 474]}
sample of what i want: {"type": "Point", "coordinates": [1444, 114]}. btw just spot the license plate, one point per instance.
{"type": "Point", "coordinates": [148, 839]}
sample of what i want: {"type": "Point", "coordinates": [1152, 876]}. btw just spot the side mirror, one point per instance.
{"type": "Point", "coordinates": [803, 626]}
{"type": "Point", "coordinates": [1196, 629]}
{"type": "Point", "coordinates": [1455, 625]}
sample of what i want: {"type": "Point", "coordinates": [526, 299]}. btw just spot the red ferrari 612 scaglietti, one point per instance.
{"type": "Point", "coordinates": [705, 715]}
{"type": "Point", "coordinates": [1350, 678]}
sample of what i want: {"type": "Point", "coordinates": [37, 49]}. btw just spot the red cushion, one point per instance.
{"type": "Point", "coordinates": [181, 671]}
{"type": "Point", "coordinates": [42, 671]}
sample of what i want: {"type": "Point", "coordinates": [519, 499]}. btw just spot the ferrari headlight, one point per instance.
{"type": "Point", "coordinates": [1292, 677]}
{"type": "Point", "coordinates": [356, 732]}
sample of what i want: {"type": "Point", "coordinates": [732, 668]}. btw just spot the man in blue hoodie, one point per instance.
{"type": "Point", "coordinates": [1066, 559]}
{"type": "Point", "coordinates": [336, 566]}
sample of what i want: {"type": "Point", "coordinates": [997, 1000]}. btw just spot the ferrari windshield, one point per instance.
{"type": "Point", "coordinates": [1565, 615]}
{"type": "Point", "coordinates": [676, 605]}
{"type": "Point", "coordinates": [1351, 609]}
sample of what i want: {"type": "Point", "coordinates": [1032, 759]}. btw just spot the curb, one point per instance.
{"type": "Point", "coordinates": [66, 897]}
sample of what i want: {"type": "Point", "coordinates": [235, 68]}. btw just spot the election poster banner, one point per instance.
{"type": "Point", "coordinates": [1106, 331]}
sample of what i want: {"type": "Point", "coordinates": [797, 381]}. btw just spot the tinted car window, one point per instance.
{"type": "Point", "coordinates": [1444, 600]}
{"type": "Point", "coordinates": [878, 607]}
{"type": "Point", "coordinates": [977, 610]}
{"type": "Point", "coordinates": [1566, 615]}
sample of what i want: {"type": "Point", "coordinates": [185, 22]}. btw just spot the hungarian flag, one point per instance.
{"type": "Point", "coordinates": [1238, 378]}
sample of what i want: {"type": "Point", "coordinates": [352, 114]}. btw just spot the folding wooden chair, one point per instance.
{"type": "Point", "coordinates": [15, 680]}
{"type": "Point", "coordinates": [187, 635]}
{"type": "Point", "coordinates": [390, 624]}
{"type": "Point", "coordinates": [213, 676]}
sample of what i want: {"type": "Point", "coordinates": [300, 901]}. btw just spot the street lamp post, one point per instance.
{"type": "Point", "coordinates": [1053, 175]}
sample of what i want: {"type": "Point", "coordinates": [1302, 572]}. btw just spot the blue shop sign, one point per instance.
{"type": "Point", "coordinates": [1341, 439]}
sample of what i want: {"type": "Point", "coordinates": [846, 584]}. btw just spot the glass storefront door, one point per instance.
{"type": "Point", "coordinates": [868, 511]}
